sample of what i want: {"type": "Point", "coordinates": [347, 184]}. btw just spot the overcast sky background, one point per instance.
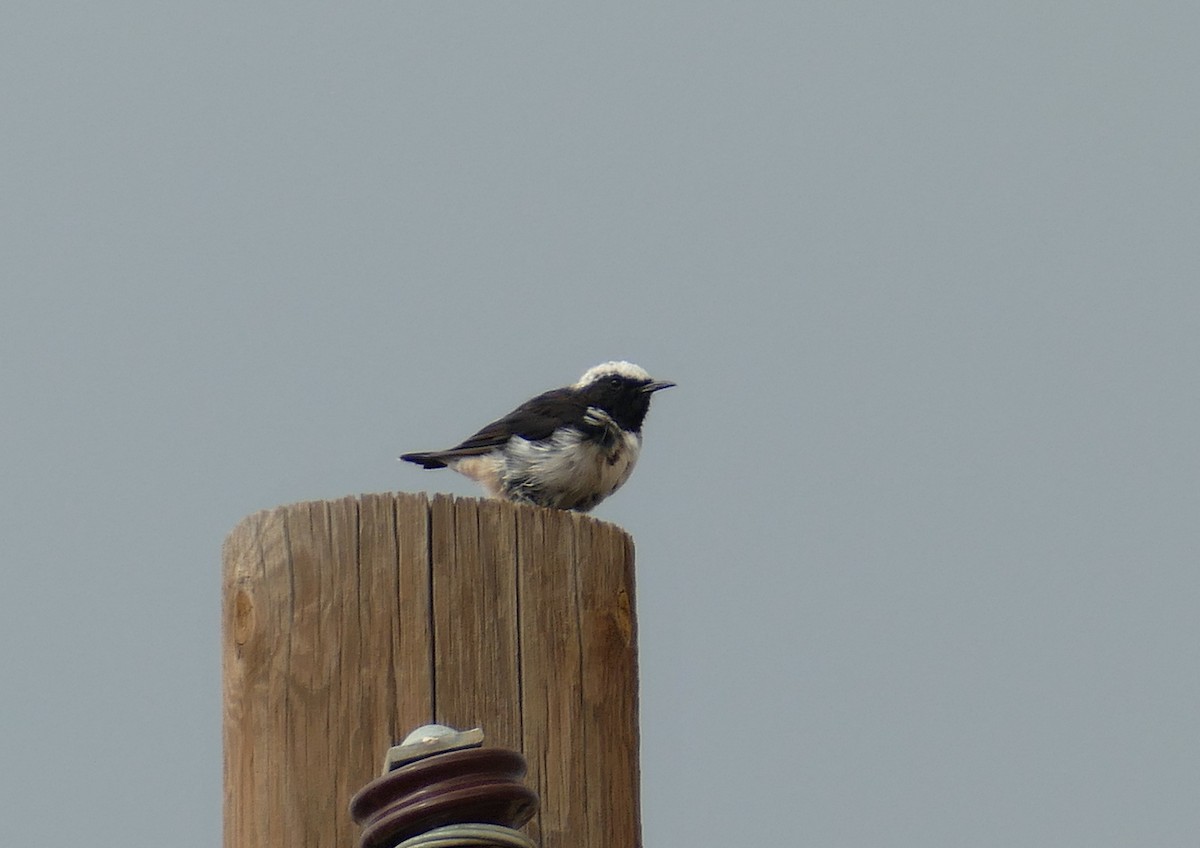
{"type": "Point", "coordinates": [917, 533]}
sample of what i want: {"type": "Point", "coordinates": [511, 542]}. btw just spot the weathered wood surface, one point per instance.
{"type": "Point", "coordinates": [348, 623]}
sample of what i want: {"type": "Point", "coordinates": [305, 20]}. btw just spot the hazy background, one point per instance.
{"type": "Point", "coordinates": [917, 533]}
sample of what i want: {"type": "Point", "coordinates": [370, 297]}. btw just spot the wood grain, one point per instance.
{"type": "Point", "coordinates": [348, 623]}
{"type": "Point", "coordinates": [608, 633]}
{"type": "Point", "coordinates": [475, 618]}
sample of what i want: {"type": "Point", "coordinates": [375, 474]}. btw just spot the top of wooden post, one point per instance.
{"type": "Point", "coordinates": [347, 623]}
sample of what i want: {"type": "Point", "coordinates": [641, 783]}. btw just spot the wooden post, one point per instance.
{"type": "Point", "coordinates": [348, 623]}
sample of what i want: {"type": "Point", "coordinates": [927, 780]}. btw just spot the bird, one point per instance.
{"type": "Point", "coordinates": [568, 448]}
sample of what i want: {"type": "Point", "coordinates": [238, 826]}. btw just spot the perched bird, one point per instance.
{"type": "Point", "coordinates": [567, 448]}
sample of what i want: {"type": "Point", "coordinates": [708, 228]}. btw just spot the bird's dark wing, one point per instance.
{"type": "Point", "coordinates": [534, 420]}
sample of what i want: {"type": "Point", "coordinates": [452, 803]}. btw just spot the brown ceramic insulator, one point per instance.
{"type": "Point", "coordinates": [488, 804]}
{"type": "Point", "coordinates": [478, 785]}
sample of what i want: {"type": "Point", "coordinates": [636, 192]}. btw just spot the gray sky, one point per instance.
{"type": "Point", "coordinates": [917, 533]}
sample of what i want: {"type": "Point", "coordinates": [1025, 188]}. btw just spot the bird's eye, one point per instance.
{"type": "Point", "coordinates": [614, 381]}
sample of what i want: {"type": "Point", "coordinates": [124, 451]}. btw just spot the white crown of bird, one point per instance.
{"type": "Point", "coordinates": [612, 369]}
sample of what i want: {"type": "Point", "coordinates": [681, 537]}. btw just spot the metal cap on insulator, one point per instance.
{"type": "Point", "coordinates": [430, 739]}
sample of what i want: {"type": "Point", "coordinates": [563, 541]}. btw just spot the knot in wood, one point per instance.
{"type": "Point", "coordinates": [243, 617]}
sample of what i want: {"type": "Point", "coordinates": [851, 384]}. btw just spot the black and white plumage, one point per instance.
{"type": "Point", "coordinates": [567, 448]}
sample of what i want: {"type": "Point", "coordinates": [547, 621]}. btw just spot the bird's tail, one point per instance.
{"type": "Point", "coordinates": [425, 460]}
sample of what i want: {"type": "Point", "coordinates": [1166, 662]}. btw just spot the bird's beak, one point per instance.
{"type": "Point", "coordinates": [656, 385]}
